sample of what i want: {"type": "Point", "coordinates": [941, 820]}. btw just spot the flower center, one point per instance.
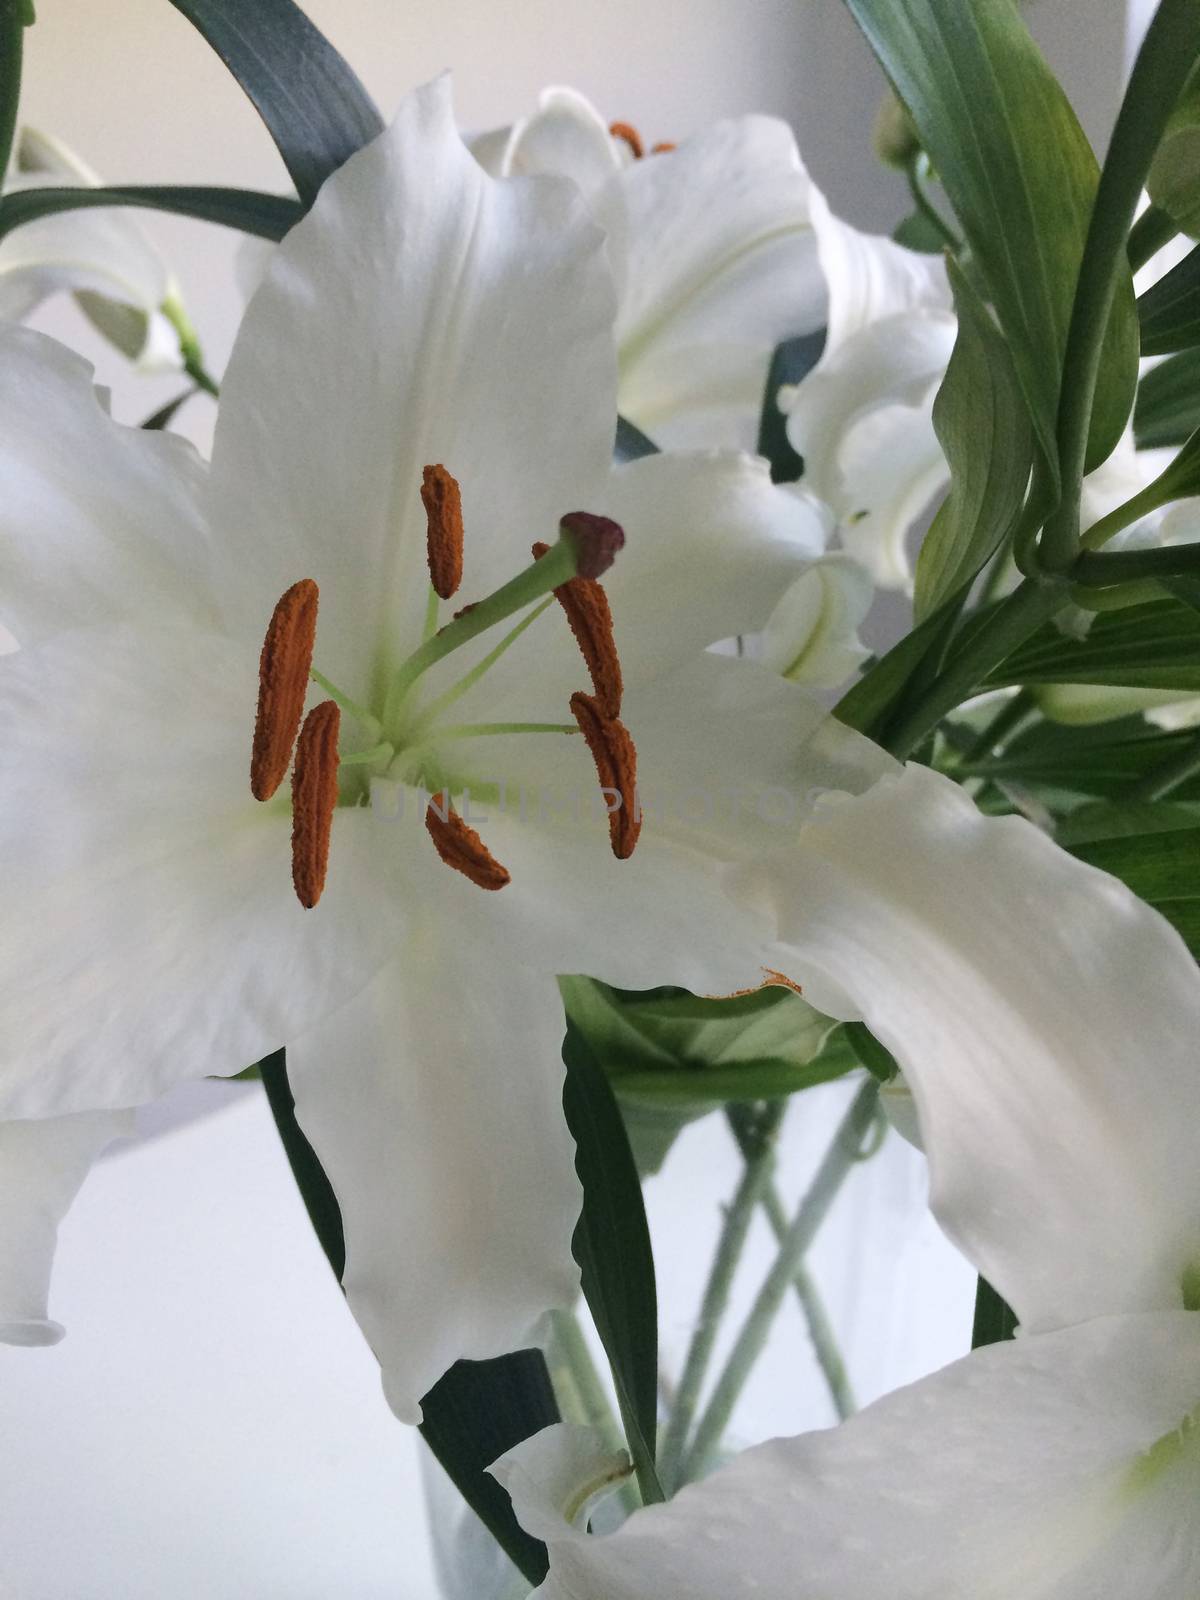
{"type": "Point", "coordinates": [404, 740]}
{"type": "Point", "coordinates": [629, 134]}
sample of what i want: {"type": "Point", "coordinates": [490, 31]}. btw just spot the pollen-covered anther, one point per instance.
{"type": "Point", "coordinates": [626, 131]}
{"type": "Point", "coordinates": [616, 766]}
{"type": "Point", "coordinates": [283, 669]}
{"type": "Point", "coordinates": [461, 847]}
{"type": "Point", "coordinates": [442, 500]}
{"type": "Point", "coordinates": [314, 800]}
{"type": "Point", "coordinates": [590, 617]}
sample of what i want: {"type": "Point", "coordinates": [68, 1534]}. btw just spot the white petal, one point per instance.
{"type": "Point", "coordinates": [42, 1165]}
{"type": "Point", "coordinates": [434, 1102]}
{"type": "Point", "coordinates": [555, 1476]}
{"type": "Point", "coordinates": [567, 136]}
{"type": "Point", "coordinates": [870, 277]}
{"type": "Point", "coordinates": [812, 634]}
{"type": "Point", "coordinates": [1019, 1471]}
{"type": "Point", "coordinates": [151, 934]}
{"type": "Point", "coordinates": [863, 421]}
{"type": "Point", "coordinates": [1045, 1020]}
{"type": "Point", "coordinates": [99, 250]}
{"type": "Point", "coordinates": [422, 312]}
{"type": "Point", "coordinates": [98, 522]}
{"type": "Point", "coordinates": [720, 265]}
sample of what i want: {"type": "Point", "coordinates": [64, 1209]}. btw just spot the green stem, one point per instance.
{"type": "Point", "coordinates": [1010, 624]}
{"type": "Point", "coordinates": [573, 1370]}
{"type": "Point", "coordinates": [555, 568]}
{"type": "Point", "coordinates": [316, 1191]}
{"type": "Point", "coordinates": [839, 1161]}
{"type": "Point", "coordinates": [1160, 782]}
{"type": "Point", "coordinates": [1159, 73]}
{"type": "Point", "coordinates": [998, 728]}
{"type": "Point", "coordinates": [1099, 569]}
{"type": "Point", "coordinates": [1152, 230]}
{"type": "Point", "coordinates": [812, 1306]}
{"type": "Point", "coordinates": [189, 344]}
{"type": "Point", "coordinates": [758, 1149]}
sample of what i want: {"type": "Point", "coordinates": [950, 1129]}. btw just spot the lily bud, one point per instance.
{"type": "Point", "coordinates": [894, 138]}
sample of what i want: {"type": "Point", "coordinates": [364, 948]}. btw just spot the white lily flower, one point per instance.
{"type": "Point", "coordinates": [423, 313]}
{"type": "Point", "coordinates": [714, 251]}
{"type": "Point", "coordinates": [1046, 1021]}
{"type": "Point", "coordinates": [99, 255]}
{"type": "Point", "coordinates": [863, 418]}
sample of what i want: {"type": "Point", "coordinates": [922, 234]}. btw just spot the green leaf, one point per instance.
{"type": "Point", "coordinates": [1107, 820]}
{"type": "Point", "coordinates": [1169, 311]}
{"type": "Point", "coordinates": [981, 420]}
{"type": "Point", "coordinates": [1168, 402]}
{"type": "Point", "coordinates": [1155, 645]}
{"type": "Point", "coordinates": [1161, 867]}
{"type": "Point", "coordinates": [612, 1247]}
{"type": "Point", "coordinates": [315, 1188]}
{"type": "Point", "coordinates": [269, 216]}
{"type": "Point", "coordinates": [313, 105]}
{"type": "Point", "coordinates": [918, 232]}
{"type": "Point", "coordinates": [1021, 176]}
{"type": "Point", "coordinates": [631, 444]}
{"type": "Point", "coordinates": [1104, 761]}
{"type": "Point", "coordinates": [12, 42]}
{"type": "Point", "coordinates": [1173, 181]}
{"type": "Point", "coordinates": [793, 359]}
{"type": "Point", "coordinates": [995, 1320]}
{"type": "Point", "coordinates": [869, 704]}
{"type": "Point", "coordinates": [165, 415]}
{"type": "Point", "coordinates": [471, 1416]}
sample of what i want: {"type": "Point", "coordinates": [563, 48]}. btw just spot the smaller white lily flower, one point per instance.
{"type": "Point", "coordinates": [1046, 1021]}
{"type": "Point", "coordinates": [99, 255]}
{"type": "Point", "coordinates": [863, 418]}
{"type": "Point", "coordinates": [713, 248]}
{"type": "Point", "coordinates": [812, 635]}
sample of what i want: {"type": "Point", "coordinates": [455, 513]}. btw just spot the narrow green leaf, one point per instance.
{"type": "Point", "coordinates": [12, 42]}
{"type": "Point", "coordinates": [471, 1416]}
{"type": "Point", "coordinates": [994, 1318]}
{"type": "Point", "coordinates": [1151, 646]}
{"type": "Point", "coordinates": [312, 103]}
{"type": "Point", "coordinates": [918, 232]}
{"type": "Point", "coordinates": [315, 1188]}
{"type": "Point", "coordinates": [793, 359]}
{"type": "Point", "coordinates": [165, 415]}
{"type": "Point", "coordinates": [1168, 401]}
{"type": "Point", "coordinates": [1162, 868]}
{"type": "Point", "coordinates": [869, 704]}
{"type": "Point", "coordinates": [983, 425]}
{"type": "Point", "coordinates": [1015, 164]}
{"type": "Point", "coordinates": [1169, 311]}
{"type": "Point", "coordinates": [612, 1247]}
{"type": "Point", "coordinates": [1104, 820]}
{"type": "Point", "coordinates": [1103, 762]}
{"type": "Point", "coordinates": [269, 216]}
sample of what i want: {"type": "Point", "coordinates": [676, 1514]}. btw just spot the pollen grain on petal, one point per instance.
{"type": "Point", "coordinates": [442, 500]}
{"type": "Point", "coordinates": [663, 147]}
{"type": "Point", "coordinates": [461, 847]}
{"type": "Point", "coordinates": [616, 766]}
{"type": "Point", "coordinates": [283, 669]}
{"type": "Point", "coordinates": [590, 616]}
{"type": "Point", "coordinates": [626, 131]}
{"type": "Point", "coordinates": [314, 800]}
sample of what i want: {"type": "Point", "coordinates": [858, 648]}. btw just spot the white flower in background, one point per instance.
{"type": "Point", "coordinates": [713, 249]}
{"type": "Point", "coordinates": [1046, 1021]}
{"type": "Point", "coordinates": [863, 418]}
{"type": "Point", "coordinates": [99, 255]}
{"type": "Point", "coordinates": [812, 635]}
{"type": "Point", "coordinates": [422, 314]}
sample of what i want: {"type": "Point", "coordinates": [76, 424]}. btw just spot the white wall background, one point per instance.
{"type": "Point", "coordinates": [212, 1427]}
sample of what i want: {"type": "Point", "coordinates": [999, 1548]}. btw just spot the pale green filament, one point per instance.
{"type": "Point", "coordinates": [477, 730]}
{"type": "Point", "coordinates": [431, 615]}
{"type": "Point", "coordinates": [469, 679]}
{"type": "Point", "coordinates": [371, 723]}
